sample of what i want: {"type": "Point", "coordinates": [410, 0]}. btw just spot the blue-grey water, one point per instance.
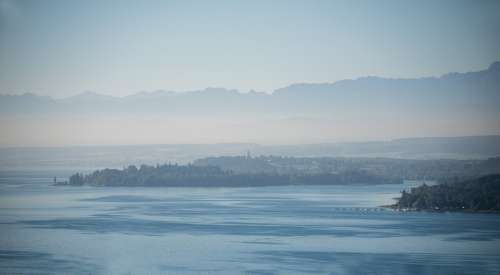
{"type": "Point", "coordinates": [266, 230]}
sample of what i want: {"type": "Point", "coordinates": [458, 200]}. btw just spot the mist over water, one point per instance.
{"type": "Point", "coordinates": [363, 109]}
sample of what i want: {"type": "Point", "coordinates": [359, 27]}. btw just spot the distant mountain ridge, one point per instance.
{"type": "Point", "coordinates": [451, 92]}
{"type": "Point", "coordinates": [367, 108]}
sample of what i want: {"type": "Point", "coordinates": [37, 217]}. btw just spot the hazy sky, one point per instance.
{"type": "Point", "coordinates": [61, 48]}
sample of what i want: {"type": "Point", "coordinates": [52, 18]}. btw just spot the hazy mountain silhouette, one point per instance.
{"type": "Point", "coordinates": [367, 108]}
{"type": "Point", "coordinates": [453, 92]}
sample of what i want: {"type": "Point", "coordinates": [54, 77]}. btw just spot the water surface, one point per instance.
{"type": "Point", "coordinates": [265, 230]}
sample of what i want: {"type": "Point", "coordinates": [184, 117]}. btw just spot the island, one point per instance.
{"type": "Point", "coordinates": [474, 195]}
{"type": "Point", "coordinates": [214, 176]}
{"type": "Point", "coordinates": [278, 170]}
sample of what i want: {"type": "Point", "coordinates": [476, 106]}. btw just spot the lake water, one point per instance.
{"type": "Point", "coordinates": [267, 230]}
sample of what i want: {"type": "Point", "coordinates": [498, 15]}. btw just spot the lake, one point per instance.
{"type": "Point", "coordinates": [266, 230]}
{"type": "Point", "coordinates": [46, 229]}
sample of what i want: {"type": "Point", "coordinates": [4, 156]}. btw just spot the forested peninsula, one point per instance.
{"type": "Point", "coordinates": [275, 170]}
{"type": "Point", "coordinates": [213, 176]}
{"type": "Point", "coordinates": [475, 195]}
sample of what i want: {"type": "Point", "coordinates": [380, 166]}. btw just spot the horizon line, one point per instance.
{"type": "Point", "coordinates": [2, 147]}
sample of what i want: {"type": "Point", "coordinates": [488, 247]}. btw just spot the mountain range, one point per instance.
{"type": "Point", "coordinates": [363, 109]}
{"type": "Point", "coordinates": [454, 92]}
